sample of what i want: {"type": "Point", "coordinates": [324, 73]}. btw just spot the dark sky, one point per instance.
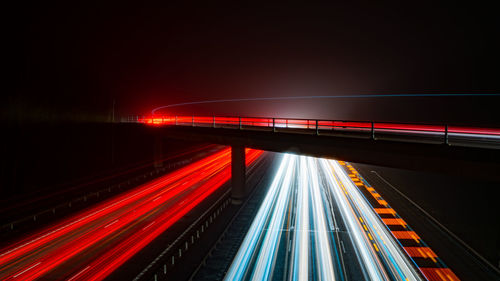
{"type": "Point", "coordinates": [71, 61]}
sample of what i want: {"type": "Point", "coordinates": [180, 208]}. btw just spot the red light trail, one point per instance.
{"type": "Point", "coordinates": [92, 244]}
{"type": "Point", "coordinates": [326, 125]}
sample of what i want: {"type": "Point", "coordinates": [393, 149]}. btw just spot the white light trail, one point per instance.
{"type": "Point", "coordinates": [244, 255]}
{"type": "Point", "coordinates": [300, 268]}
{"type": "Point", "coordinates": [394, 256]}
{"type": "Point", "coordinates": [366, 254]}
{"type": "Point", "coordinates": [303, 192]}
{"type": "Point", "coordinates": [323, 245]}
{"type": "Point", "coordinates": [268, 249]}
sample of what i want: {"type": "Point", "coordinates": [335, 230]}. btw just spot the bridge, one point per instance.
{"type": "Point", "coordinates": [456, 150]}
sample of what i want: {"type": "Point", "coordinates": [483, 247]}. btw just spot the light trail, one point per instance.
{"type": "Point", "coordinates": [429, 264]}
{"type": "Point", "coordinates": [310, 202]}
{"type": "Point", "coordinates": [238, 269]}
{"type": "Point", "coordinates": [453, 135]}
{"type": "Point", "coordinates": [92, 244]}
{"type": "Point", "coordinates": [357, 96]}
{"type": "Point", "coordinates": [267, 255]}
{"type": "Point", "coordinates": [387, 251]}
{"type": "Point", "coordinates": [364, 252]}
{"type": "Point", "coordinates": [323, 245]}
{"type": "Point", "coordinates": [300, 270]}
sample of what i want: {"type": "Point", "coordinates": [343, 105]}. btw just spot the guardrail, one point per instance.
{"type": "Point", "coordinates": [427, 133]}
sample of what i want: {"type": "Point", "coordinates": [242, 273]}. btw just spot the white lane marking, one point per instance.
{"type": "Point", "coordinates": [342, 245]}
{"type": "Point", "coordinates": [109, 224]}
{"type": "Point", "coordinates": [156, 198]}
{"type": "Point", "coordinates": [29, 268]}
{"type": "Point", "coordinates": [80, 272]}
{"type": "Point", "coordinates": [148, 225]}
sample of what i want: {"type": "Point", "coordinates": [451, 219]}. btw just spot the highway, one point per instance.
{"type": "Point", "coordinates": [92, 244]}
{"type": "Point", "coordinates": [315, 224]}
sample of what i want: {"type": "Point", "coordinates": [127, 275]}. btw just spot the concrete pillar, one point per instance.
{"type": "Point", "coordinates": [238, 174]}
{"type": "Point", "coordinates": [158, 152]}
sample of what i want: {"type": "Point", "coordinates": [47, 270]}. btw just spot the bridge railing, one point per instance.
{"type": "Point", "coordinates": [422, 133]}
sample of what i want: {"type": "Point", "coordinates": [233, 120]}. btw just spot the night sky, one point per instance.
{"type": "Point", "coordinates": [69, 61]}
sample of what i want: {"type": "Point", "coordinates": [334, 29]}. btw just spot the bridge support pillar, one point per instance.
{"type": "Point", "coordinates": [238, 174]}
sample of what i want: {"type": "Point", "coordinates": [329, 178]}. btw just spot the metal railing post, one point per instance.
{"type": "Point", "coordinates": [373, 132]}
{"type": "Point", "coordinates": [192, 121]}
{"type": "Point", "coordinates": [274, 124]}
{"type": "Point", "coordinates": [239, 123]}
{"type": "Point", "coordinates": [213, 121]}
{"type": "Point", "coordinates": [317, 128]}
{"type": "Point", "coordinates": [446, 134]}
{"type": "Point", "coordinates": [175, 120]}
